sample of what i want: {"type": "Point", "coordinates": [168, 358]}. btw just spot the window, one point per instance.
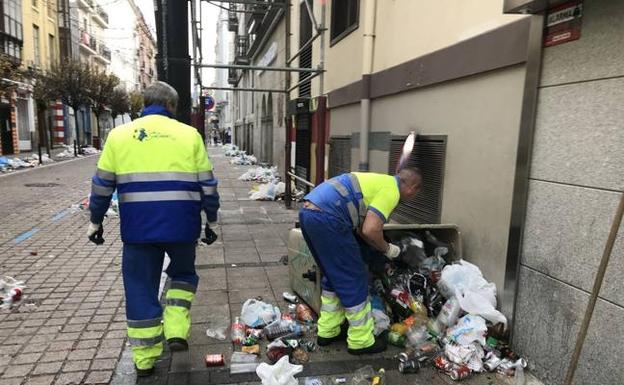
{"type": "Point", "coordinates": [51, 50]}
{"type": "Point", "coordinates": [344, 18]}
{"type": "Point", "coordinates": [36, 45]}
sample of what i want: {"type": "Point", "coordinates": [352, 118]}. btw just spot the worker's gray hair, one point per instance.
{"type": "Point", "coordinates": [411, 176]}
{"type": "Point", "coordinates": [162, 94]}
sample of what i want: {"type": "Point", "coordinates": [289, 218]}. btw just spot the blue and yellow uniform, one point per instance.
{"type": "Point", "coordinates": [343, 203]}
{"type": "Point", "coordinates": [163, 179]}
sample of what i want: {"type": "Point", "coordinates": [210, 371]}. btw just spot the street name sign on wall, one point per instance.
{"type": "Point", "coordinates": [563, 23]}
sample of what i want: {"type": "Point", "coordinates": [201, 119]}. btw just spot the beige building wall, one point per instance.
{"type": "Point", "coordinates": [406, 29]}
{"type": "Point", "coordinates": [480, 116]}
{"type": "Point", "coordinates": [43, 15]}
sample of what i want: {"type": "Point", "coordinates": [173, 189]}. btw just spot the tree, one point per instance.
{"type": "Point", "coordinates": [136, 103]}
{"type": "Point", "coordinates": [9, 70]}
{"type": "Point", "coordinates": [102, 93]}
{"type": "Point", "coordinates": [44, 91]}
{"type": "Point", "coordinates": [73, 81]}
{"type": "Point", "coordinates": [119, 104]}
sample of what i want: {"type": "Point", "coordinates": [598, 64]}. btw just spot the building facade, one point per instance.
{"type": "Point", "coordinates": [146, 54]}
{"type": "Point", "coordinates": [11, 47]}
{"type": "Point", "coordinates": [221, 118]}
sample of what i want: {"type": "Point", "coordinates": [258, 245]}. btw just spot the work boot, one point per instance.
{"type": "Point", "coordinates": [144, 372]}
{"type": "Point", "coordinates": [379, 346]}
{"type": "Point", "coordinates": [324, 341]}
{"type": "Point", "coordinates": [177, 344]}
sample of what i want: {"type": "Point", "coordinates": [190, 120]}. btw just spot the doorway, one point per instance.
{"type": "Point", "coordinates": [6, 131]}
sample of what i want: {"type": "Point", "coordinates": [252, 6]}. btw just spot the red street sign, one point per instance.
{"type": "Point", "coordinates": [563, 23]}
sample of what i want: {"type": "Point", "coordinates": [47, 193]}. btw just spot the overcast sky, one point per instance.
{"type": "Point", "coordinates": [210, 14]}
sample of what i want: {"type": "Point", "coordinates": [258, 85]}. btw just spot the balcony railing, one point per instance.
{"type": "Point", "coordinates": [232, 19]}
{"type": "Point", "coordinates": [241, 48]}
{"type": "Point", "coordinates": [88, 40]}
{"type": "Point", "coordinates": [102, 13]}
{"type": "Point", "coordinates": [105, 52]}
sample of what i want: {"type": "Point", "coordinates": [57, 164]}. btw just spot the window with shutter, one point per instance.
{"type": "Point", "coordinates": [429, 156]}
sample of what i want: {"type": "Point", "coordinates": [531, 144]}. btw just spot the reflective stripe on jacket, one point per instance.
{"type": "Point", "coordinates": [350, 196]}
{"type": "Point", "coordinates": [163, 178]}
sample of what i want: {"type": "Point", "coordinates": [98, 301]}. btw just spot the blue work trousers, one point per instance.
{"type": "Point", "coordinates": [142, 268]}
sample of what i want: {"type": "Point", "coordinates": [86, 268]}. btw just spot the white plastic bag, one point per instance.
{"type": "Point", "coordinates": [475, 295]}
{"type": "Point", "coordinates": [382, 321]}
{"type": "Point", "coordinates": [282, 373]}
{"type": "Point", "coordinates": [257, 313]}
{"type": "Point", "coordinates": [469, 328]}
{"type": "Point", "coordinates": [481, 302]}
{"type": "Point", "coordinates": [471, 355]}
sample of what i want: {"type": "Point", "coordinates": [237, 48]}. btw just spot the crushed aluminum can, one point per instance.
{"type": "Point", "coordinates": [409, 366]}
{"type": "Point", "coordinates": [492, 362]}
{"type": "Point", "coordinates": [460, 373]}
{"type": "Point", "coordinates": [340, 380]}
{"type": "Point", "coordinates": [214, 360]}
{"type": "Point", "coordinates": [442, 363]}
{"type": "Point", "coordinates": [290, 297]}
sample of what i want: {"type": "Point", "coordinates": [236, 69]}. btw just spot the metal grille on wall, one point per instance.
{"type": "Point", "coordinates": [302, 147]}
{"type": "Point", "coordinates": [339, 155]}
{"type": "Point", "coordinates": [305, 60]}
{"type": "Point", "coordinates": [429, 155]}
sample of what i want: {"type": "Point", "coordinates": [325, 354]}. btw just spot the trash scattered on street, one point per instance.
{"type": "Point", "coordinates": [218, 333]}
{"type": "Point", "coordinates": [243, 363]}
{"type": "Point", "coordinates": [89, 150]}
{"type": "Point", "coordinates": [290, 297]}
{"type": "Point", "coordinates": [268, 191]}
{"type": "Point", "coordinates": [313, 381]}
{"type": "Point", "coordinates": [281, 373]}
{"type": "Point", "coordinates": [261, 174]}
{"type": "Point", "coordinates": [11, 292]}
{"type": "Point", "coordinates": [214, 360]}
{"type": "Point", "coordinates": [243, 159]}
{"type": "Point", "coordinates": [256, 313]}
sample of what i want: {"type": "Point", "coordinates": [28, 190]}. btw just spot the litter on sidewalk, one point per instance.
{"type": "Point", "coordinates": [11, 292]}
{"type": "Point", "coordinates": [261, 174]}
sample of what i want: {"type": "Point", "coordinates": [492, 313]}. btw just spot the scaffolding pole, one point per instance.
{"type": "Point", "coordinates": [244, 89]}
{"type": "Point", "coordinates": [259, 68]}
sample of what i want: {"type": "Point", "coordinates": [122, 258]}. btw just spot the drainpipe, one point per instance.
{"type": "Point", "coordinates": [367, 69]}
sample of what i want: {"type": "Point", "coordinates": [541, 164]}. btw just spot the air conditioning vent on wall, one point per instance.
{"type": "Point", "coordinates": [429, 154]}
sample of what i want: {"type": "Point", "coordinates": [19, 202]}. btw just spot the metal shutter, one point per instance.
{"type": "Point", "coordinates": [339, 155]}
{"type": "Point", "coordinates": [429, 155]}
{"type": "Point", "coordinates": [302, 149]}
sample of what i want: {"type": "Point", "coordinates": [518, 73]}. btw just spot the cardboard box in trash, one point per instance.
{"type": "Point", "coordinates": [305, 276]}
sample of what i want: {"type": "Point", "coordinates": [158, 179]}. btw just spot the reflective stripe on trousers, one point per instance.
{"type": "Point", "coordinates": [146, 340]}
{"type": "Point", "coordinates": [332, 315]}
{"type": "Point", "coordinates": [361, 326]}
{"type": "Point", "coordinates": [177, 315]}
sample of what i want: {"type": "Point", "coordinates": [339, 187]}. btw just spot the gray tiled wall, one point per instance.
{"type": "Point", "coordinates": [577, 179]}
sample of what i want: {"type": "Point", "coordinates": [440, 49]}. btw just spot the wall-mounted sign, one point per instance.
{"type": "Point", "coordinates": [563, 23]}
{"type": "Point", "coordinates": [268, 56]}
{"type": "Point", "coordinates": [209, 103]}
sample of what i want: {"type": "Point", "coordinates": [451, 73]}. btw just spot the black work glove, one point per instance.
{"type": "Point", "coordinates": [96, 233]}
{"type": "Point", "coordinates": [209, 235]}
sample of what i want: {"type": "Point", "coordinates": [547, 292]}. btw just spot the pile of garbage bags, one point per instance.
{"type": "Point", "coordinates": [243, 159]}
{"type": "Point", "coordinates": [442, 314]}
{"type": "Point", "coordinates": [261, 174]}
{"type": "Point", "coordinates": [267, 192]}
{"type": "Point", "coordinates": [11, 292]}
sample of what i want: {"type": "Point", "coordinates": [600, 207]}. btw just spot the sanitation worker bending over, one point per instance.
{"type": "Point", "coordinates": [332, 212]}
{"type": "Point", "coordinates": [163, 178]}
